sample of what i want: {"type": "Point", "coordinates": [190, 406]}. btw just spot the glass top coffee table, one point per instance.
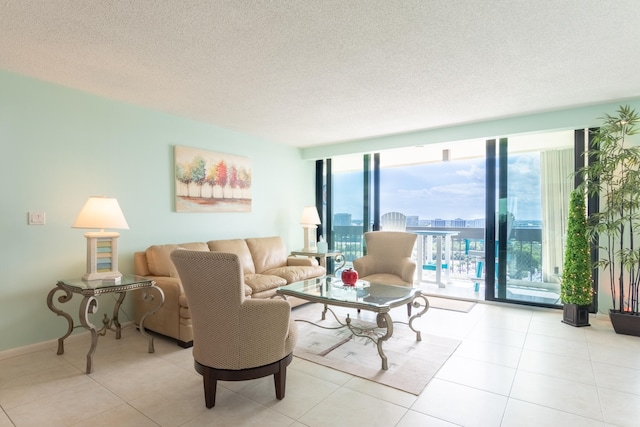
{"type": "Point", "coordinates": [376, 297]}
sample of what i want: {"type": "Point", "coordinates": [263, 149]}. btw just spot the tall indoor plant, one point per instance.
{"type": "Point", "coordinates": [614, 175]}
{"type": "Point", "coordinates": [576, 287]}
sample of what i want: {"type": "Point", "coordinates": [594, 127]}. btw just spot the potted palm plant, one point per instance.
{"type": "Point", "coordinates": [576, 289]}
{"type": "Point", "coordinates": [615, 177]}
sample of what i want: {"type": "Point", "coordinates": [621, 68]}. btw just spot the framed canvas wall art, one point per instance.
{"type": "Point", "coordinates": [208, 181]}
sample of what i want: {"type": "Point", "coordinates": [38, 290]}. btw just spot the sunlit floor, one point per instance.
{"type": "Point", "coordinates": [464, 288]}
{"type": "Point", "coordinates": [459, 288]}
{"type": "Point", "coordinates": [515, 366]}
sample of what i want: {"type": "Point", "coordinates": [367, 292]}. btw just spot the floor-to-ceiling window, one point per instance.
{"type": "Point", "coordinates": [441, 188]}
{"type": "Point", "coordinates": [534, 179]}
{"type": "Point", "coordinates": [350, 201]}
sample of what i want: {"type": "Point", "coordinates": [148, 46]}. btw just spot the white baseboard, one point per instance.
{"type": "Point", "coordinates": [51, 344]}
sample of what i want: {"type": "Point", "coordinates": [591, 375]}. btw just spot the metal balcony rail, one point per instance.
{"type": "Point", "coordinates": [524, 249]}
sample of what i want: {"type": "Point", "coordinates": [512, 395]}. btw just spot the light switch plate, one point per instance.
{"type": "Point", "coordinates": [36, 218]}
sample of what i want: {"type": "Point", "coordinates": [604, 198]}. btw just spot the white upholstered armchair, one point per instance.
{"type": "Point", "coordinates": [388, 259]}
{"type": "Point", "coordinates": [234, 338]}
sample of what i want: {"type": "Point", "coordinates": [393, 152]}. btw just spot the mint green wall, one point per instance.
{"type": "Point", "coordinates": [59, 146]}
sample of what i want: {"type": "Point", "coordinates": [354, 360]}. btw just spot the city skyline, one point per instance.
{"type": "Point", "coordinates": [446, 190]}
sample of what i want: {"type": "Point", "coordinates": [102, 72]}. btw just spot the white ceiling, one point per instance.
{"type": "Point", "coordinates": [310, 72]}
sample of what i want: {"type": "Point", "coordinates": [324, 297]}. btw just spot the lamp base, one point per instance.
{"type": "Point", "coordinates": [309, 238]}
{"type": "Point", "coordinates": [102, 256]}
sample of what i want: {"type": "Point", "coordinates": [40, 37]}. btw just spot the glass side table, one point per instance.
{"type": "Point", "coordinates": [90, 289]}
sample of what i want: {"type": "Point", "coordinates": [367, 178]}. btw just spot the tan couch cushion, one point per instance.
{"type": "Point", "coordinates": [238, 247]}
{"type": "Point", "coordinates": [247, 291]}
{"type": "Point", "coordinates": [267, 253]}
{"type": "Point", "coordinates": [302, 261]}
{"type": "Point", "coordinates": [160, 263]}
{"type": "Point", "coordinates": [263, 282]}
{"type": "Point", "coordinates": [296, 273]}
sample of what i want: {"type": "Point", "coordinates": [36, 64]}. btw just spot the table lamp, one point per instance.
{"type": "Point", "coordinates": [310, 220]}
{"type": "Point", "coordinates": [102, 248]}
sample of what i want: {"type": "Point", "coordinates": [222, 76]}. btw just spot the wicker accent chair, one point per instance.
{"type": "Point", "coordinates": [388, 259]}
{"type": "Point", "coordinates": [234, 338]}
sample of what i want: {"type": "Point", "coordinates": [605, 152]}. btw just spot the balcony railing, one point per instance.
{"type": "Point", "coordinates": [524, 248]}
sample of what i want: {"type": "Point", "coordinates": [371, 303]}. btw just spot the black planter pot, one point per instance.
{"type": "Point", "coordinates": [625, 323]}
{"type": "Point", "coordinates": [575, 315]}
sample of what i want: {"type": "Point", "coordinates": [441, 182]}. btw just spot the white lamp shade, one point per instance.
{"type": "Point", "coordinates": [310, 216]}
{"type": "Point", "coordinates": [101, 213]}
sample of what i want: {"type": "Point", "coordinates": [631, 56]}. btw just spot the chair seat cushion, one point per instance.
{"type": "Point", "coordinates": [386, 279]}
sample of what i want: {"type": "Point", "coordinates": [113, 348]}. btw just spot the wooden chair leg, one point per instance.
{"type": "Point", "coordinates": [210, 384]}
{"type": "Point", "coordinates": [280, 380]}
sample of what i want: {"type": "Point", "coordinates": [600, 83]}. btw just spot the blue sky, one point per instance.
{"type": "Point", "coordinates": [444, 190]}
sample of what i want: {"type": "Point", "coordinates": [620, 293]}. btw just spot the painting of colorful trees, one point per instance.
{"type": "Point", "coordinates": [207, 181]}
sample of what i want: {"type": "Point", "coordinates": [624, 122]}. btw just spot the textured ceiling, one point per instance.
{"type": "Point", "coordinates": [309, 72]}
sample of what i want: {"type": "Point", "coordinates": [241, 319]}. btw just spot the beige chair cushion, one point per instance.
{"type": "Point", "coordinates": [238, 247]}
{"type": "Point", "coordinates": [159, 260]}
{"type": "Point", "coordinates": [385, 278]}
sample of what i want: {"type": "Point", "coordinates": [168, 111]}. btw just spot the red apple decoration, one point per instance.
{"type": "Point", "coordinates": [349, 277]}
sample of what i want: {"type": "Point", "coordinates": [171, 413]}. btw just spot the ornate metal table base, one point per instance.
{"type": "Point", "coordinates": [89, 305]}
{"type": "Point", "coordinates": [383, 321]}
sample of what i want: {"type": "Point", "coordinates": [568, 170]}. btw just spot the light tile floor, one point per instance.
{"type": "Point", "coordinates": [515, 366]}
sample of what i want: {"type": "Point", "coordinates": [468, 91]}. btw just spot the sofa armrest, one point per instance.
{"type": "Point", "coordinates": [140, 265]}
{"type": "Point", "coordinates": [302, 261]}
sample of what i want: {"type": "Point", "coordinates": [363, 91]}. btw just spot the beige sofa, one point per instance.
{"type": "Point", "coordinates": [265, 262]}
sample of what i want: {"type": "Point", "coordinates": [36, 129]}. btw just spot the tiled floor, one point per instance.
{"type": "Point", "coordinates": [515, 367]}
{"type": "Point", "coordinates": [464, 288]}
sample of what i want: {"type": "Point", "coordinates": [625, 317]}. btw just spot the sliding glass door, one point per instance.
{"type": "Point", "coordinates": [534, 180]}
{"type": "Point", "coordinates": [490, 215]}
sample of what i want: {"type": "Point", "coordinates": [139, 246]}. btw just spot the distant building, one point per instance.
{"type": "Point", "coordinates": [458, 223]}
{"type": "Point", "coordinates": [342, 219]}
{"type": "Point", "coordinates": [413, 221]}
{"type": "Point", "coordinates": [476, 223]}
{"type": "Point", "coordinates": [438, 223]}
